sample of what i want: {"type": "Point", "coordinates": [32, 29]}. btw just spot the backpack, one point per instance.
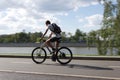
{"type": "Point", "coordinates": [56, 28]}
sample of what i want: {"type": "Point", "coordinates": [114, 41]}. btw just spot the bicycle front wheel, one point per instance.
{"type": "Point", "coordinates": [39, 55]}
{"type": "Point", "coordinates": [64, 55]}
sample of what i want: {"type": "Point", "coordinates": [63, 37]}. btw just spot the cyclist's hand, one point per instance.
{"type": "Point", "coordinates": [44, 40]}
{"type": "Point", "coordinates": [40, 39]}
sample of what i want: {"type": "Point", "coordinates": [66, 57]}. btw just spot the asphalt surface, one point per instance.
{"type": "Point", "coordinates": [21, 76]}
{"type": "Point", "coordinates": [26, 69]}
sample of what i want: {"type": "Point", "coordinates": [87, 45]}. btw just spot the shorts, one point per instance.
{"type": "Point", "coordinates": [53, 39]}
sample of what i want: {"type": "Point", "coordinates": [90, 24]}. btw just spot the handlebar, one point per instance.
{"type": "Point", "coordinates": [42, 40]}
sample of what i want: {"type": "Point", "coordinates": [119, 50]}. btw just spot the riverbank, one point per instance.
{"type": "Point", "coordinates": [38, 44]}
{"type": "Point", "coordinates": [80, 51]}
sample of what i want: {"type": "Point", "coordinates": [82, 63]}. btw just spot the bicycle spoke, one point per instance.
{"type": "Point", "coordinates": [64, 55]}
{"type": "Point", "coordinates": [39, 55]}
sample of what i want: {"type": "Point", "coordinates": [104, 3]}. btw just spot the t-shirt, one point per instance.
{"type": "Point", "coordinates": [50, 27]}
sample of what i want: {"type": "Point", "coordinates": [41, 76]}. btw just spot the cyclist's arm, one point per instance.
{"type": "Point", "coordinates": [44, 33]}
{"type": "Point", "coordinates": [50, 35]}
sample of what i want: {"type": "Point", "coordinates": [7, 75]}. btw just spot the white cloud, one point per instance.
{"type": "Point", "coordinates": [81, 20]}
{"type": "Point", "coordinates": [16, 20]}
{"type": "Point", "coordinates": [16, 15]}
{"type": "Point", "coordinates": [84, 3]}
{"type": "Point", "coordinates": [94, 19]}
{"type": "Point", "coordinates": [92, 22]}
{"type": "Point", "coordinates": [47, 5]}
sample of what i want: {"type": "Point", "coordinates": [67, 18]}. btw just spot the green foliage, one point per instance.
{"type": "Point", "coordinates": [109, 35]}
{"type": "Point", "coordinates": [21, 37]}
{"type": "Point", "coordinates": [79, 36]}
{"type": "Point", "coordinates": [24, 37]}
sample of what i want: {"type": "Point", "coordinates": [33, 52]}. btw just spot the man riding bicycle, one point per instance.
{"type": "Point", "coordinates": [55, 30]}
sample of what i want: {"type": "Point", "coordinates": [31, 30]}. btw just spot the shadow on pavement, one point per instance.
{"type": "Point", "coordinates": [88, 67]}
{"type": "Point", "coordinates": [77, 66]}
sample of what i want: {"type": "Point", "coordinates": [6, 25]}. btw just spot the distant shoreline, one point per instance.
{"type": "Point", "coordinates": [38, 44]}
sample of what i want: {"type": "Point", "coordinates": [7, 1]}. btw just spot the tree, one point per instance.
{"type": "Point", "coordinates": [107, 27]}
{"type": "Point", "coordinates": [64, 37]}
{"type": "Point", "coordinates": [91, 38]}
{"type": "Point", "coordinates": [22, 37]}
{"type": "Point", "coordinates": [111, 25]}
{"type": "Point", "coordinates": [79, 36]}
{"type": "Point", "coordinates": [116, 27]}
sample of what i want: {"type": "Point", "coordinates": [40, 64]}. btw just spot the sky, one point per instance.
{"type": "Point", "coordinates": [30, 15]}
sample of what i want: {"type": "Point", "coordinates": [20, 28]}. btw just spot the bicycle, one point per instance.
{"type": "Point", "coordinates": [63, 54]}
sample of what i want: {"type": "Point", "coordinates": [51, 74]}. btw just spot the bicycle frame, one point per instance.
{"type": "Point", "coordinates": [61, 56]}
{"type": "Point", "coordinates": [44, 45]}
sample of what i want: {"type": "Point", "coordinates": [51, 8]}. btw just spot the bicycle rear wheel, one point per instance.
{"type": "Point", "coordinates": [39, 55]}
{"type": "Point", "coordinates": [64, 55]}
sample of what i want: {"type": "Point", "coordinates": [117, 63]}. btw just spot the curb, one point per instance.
{"type": "Point", "coordinates": [98, 58]}
{"type": "Point", "coordinates": [110, 58]}
{"type": "Point", "coordinates": [14, 56]}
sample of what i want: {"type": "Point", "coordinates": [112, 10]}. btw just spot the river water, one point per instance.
{"type": "Point", "coordinates": [28, 50]}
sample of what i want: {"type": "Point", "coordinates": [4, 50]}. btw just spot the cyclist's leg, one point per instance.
{"type": "Point", "coordinates": [48, 43]}
{"type": "Point", "coordinates": [53, 39]}
{"type": "Point", "coordinates": [57, 43]}
{"type": "Point", "coordinates": [56, 40]}
{"type": "Point", "coordinates": [54, 50]}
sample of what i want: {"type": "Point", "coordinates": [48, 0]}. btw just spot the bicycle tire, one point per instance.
{"type": "Point", "coordinates": [66, 58]}
{"type": "Point", "coordinates": [39, 55]}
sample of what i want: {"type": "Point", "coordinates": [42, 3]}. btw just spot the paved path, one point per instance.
{"type": "Point", "coordinates": [77, 69]}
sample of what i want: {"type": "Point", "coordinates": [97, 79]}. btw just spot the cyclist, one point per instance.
{"type": "Point", "coordinates": [55, 30]}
